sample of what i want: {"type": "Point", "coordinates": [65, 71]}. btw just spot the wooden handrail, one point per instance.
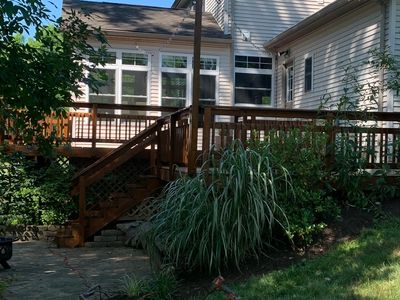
{"type": "Point", "coordinates": [129, 144]}
{"type": "Point", "coordinates": [152, 108]}
{"type": "Point", "coordinates": [301, 113]}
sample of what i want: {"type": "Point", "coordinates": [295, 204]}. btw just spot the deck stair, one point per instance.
{"type": "Point", "coordinates": [94, 218]}
{"type": "Point", "coordinates": [106, 211]}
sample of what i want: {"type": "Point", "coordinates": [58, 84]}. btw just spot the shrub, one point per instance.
{"type": "Point", "coordinates": [208, 226]}
{"type": "Point", "coordinates": [34, 194]}
{"type": "Point", "coordinates": [161, 286]}
{"type": "Point", "coordinates": [310, 206]}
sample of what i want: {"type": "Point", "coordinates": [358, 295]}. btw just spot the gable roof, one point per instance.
{"type": "Point", "coordinates": [131, 19]}
{"type": "Point", "coordinates": [328, 13]}
{"type": "Point", "coordinates": [181, 3]}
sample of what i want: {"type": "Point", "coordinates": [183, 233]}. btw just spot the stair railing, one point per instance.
{"type": "Point", "coordinates": [151, 136]}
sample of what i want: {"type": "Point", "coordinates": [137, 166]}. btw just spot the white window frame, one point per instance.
{"type": "Point", "coordinates": [289, 89]}
{"type": "Point", "coordinates": [189, 74]}
{"type": "Point", "coordinates": [119, 67]}
{"type": "Point", "coordinates": [257, 72]}
{"type": "Point", "coordinates": [308, 56]}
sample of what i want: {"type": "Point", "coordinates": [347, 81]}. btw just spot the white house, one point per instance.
{"type": "Point", "coordinates": [153, 50]}
{"type": "Point", "coordinates": [312, 56]}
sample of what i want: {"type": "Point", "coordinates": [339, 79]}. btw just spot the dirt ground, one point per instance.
{"type": "Point", "coordinates": [41, 271]}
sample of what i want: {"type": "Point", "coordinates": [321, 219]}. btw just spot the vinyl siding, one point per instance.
{"type": "Point", "coordinates": [216, 8]}
{"type": "Point", "coordinates": [340, 44]}
{"type": "Point", "coordinates": [266, 19]}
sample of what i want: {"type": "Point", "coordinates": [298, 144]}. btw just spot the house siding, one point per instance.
{"type": "Point", "coordinates": [216, 8]}
{"type": "Point", "coordinates": [344, 42]}
{"type": "Point", "coordinates": [266, 19]}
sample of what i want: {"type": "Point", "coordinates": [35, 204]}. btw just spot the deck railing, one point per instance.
{"type": "Point", "coordinates": [90, 125]}
{"type": "Point", "coordinates": [110, 125]}
{"type": "Point", "coordinates": [377, 133]}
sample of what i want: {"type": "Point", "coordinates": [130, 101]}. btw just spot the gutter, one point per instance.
{"type": "Point", "coordinates": [332, 11]}
{"type": "Point", "coordinates": [183, 38]}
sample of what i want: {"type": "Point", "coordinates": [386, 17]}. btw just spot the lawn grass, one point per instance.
{"type": "Point", "coordinates": [365, 268]}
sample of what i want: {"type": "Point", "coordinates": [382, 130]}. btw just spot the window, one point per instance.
{"type": "Point", "coordinates": [289, 83]}
{"type": "Point", "coordinates": [106, 90]}
{"type": "Point", "coordinates": [253, 80]}
{"type": "Point", "coordinates": [208, 80]}
{"type": "Point", "coordinates": [176, 74]}
{"type": "Point", "coordinates": [308, 74]}
{"type": "Point", "coordinates": [173, 89]}
{"type": "Point", "coordinates": [124, 80]}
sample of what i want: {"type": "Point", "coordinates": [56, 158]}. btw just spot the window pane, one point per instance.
{"type": "Point", "coordinates": [289, 83]}
{"type": "Point", "coordinates": [253, 88]}
{"type": "Point", "coordinates": [135, 59]}
{"type": "Point", "coordinates": [253, 62]}
{"type": "Point", "coordinates": [106, 89]}
{"type": "Point", "coordinates": [251, 96]}
{"type": "Point", "coordinates": [109, 58]}
{"type": "Point", "coordinates": [253, 80]}
{"type": "Point", "coordinates": [133, 101]}
{"type": "Point", "coordinates": [208, 64]}
{"type": "Point", "coordinates": [308, 74]}
{"type": "Point", "coordinates": [171, 61]}
{"type": "Point", "coordinates": [134, 83]}
{"type": "Point", "coordinates": [207, 87]}
{"type": "Point", "coordinates": [106, 81]}
{"type": "Point", "coordinates": [173, 89]}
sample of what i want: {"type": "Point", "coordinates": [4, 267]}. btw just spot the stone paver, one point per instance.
{"type": "Point", "coordinates": [41, 271]}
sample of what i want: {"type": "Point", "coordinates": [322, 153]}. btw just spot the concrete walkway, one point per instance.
{"type": "Point", "coordinates": [41, 271]}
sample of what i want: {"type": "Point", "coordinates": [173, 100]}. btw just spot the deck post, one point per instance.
{"type": "Point", "coordinates": [194, 125]}
{"type": "Point", "coordinates": [172, 148]}
{"type": "Point", "coordinates": [2, 130]}
{"type": "Point", "coordinates": [82, 200]}
{"type": "Point", "coordinates": [206, 136]}
{"type": "Point", "coordinates": [94, 125]}
{"type": "Point", "coordinates": [330, 143]}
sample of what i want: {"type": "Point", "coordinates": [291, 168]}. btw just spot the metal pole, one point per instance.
{"type": "Point", "coordinates": [194, 125]}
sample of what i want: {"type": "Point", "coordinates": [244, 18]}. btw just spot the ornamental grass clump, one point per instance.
{"type": "Point", "coordinates": [210, 222]}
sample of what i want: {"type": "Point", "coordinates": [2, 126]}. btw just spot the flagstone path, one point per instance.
{"type": "Point", "coordinates": [41, 271]}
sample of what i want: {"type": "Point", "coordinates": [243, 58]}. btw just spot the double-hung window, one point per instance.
{"type": "Point", "coordinates": [123, 80]}
{"type": "Point", "coordinates": [176, 74]}
{"type": "Point", "coordinates": [253, 80]}
{"type": "Point", "coordinates": [174, 80]}
{"type": "Point", "coordinates": [208, 80]}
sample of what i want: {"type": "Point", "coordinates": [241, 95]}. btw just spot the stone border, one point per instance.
{"type": "Point", "coordinates": [30, 232]}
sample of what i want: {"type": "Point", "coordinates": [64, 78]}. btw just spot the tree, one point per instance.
{"type": "Point", "coordinates": [43, 76]}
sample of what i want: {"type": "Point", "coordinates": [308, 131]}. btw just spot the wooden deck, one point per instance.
{"type": "Point", "coordinates": [163, 136]}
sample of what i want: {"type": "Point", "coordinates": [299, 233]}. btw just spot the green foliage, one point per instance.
{"type": "Point", "coordinates": [310, 206]}
{"type": "Point", "coordinates": [161, 286]}
{"type": "Point", "coordinates": [31, 194]}
{"type": "Point", "coordinates": [41, 76]}
{"type": "Point", "coordinates": [210, 226]}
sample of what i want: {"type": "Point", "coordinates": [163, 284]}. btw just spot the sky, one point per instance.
{"type": "Point", "coordinates": [56, 11]}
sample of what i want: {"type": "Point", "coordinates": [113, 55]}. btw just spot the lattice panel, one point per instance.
{"type": "Point", "coordinates": [116, 181]}
{"type": "Point", "coordinates": [144, 211]}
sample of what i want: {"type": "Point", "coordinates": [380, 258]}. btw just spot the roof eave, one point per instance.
{"type": "Point", "coordinates": [325, 15]}
{"type": "Point", "coordinates": [185, 38]}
